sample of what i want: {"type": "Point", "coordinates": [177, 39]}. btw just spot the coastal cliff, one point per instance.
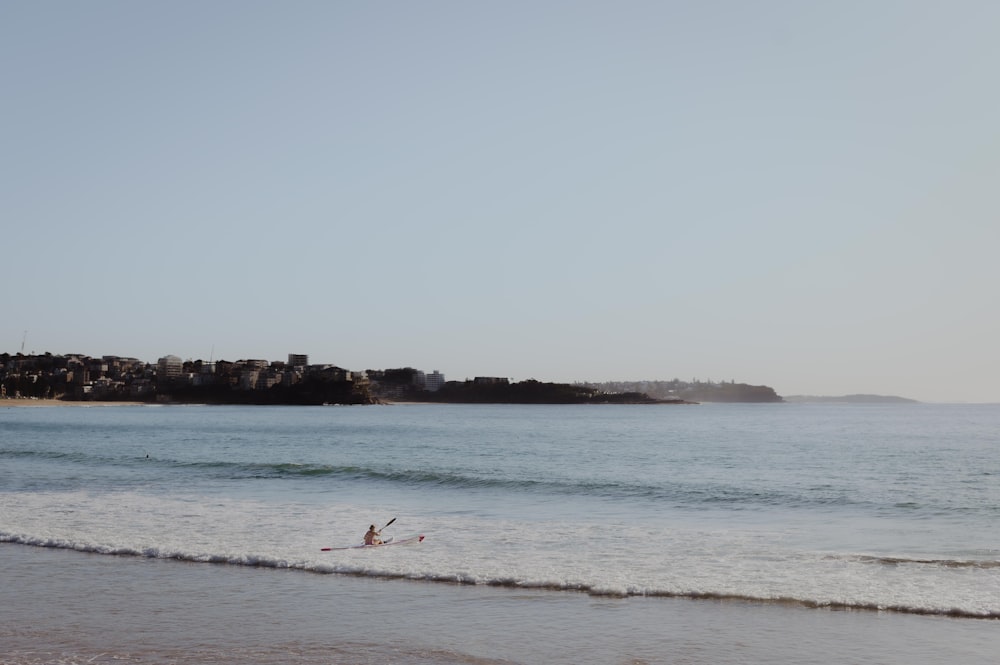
{"type": "Point", "coordinates": [534, 392]}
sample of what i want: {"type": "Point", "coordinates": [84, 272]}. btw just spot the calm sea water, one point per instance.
{"type": "Point", "coordinates": [868, 508]}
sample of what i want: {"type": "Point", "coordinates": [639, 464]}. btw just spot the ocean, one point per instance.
{"type": "Point", "coordinates": [778, 533]}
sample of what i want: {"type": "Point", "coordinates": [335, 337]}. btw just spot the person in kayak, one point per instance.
{"type": "Point", "coordinates": [372, 537]}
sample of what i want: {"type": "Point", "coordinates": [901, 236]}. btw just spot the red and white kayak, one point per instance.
{"type": "Point", "coordinates": [409, 540]}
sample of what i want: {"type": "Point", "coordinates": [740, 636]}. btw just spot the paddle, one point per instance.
{"type": "Point", "coordinates": [379, 532]}
{"type": "Point", "coordinates": [327, 549]}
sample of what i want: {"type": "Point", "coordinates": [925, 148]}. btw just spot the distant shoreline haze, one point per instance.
{"type": "Point", "coordinates": [852, 399]}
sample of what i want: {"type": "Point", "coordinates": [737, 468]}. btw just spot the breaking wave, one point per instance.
{"type": "Point", "coordinates": [258, 561]}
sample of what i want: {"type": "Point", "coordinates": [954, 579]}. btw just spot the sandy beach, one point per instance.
{"type": "Point", "coordinates": [30, 402]}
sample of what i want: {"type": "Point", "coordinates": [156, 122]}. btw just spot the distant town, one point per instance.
{"type": "Point", "coordinates": [78, 377]}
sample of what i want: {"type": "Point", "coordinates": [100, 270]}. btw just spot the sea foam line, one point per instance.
{"type": "Point", "coordinates": [899, 561]}
{"type": "Point", "coordinates": [259, 561]}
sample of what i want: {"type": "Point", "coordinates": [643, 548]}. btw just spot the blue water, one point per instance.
{"type": "Point", "coordinates": [833, 505]}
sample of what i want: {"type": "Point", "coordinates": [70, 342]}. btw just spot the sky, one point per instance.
{"type": "Point", "coordinates": [802, 195]}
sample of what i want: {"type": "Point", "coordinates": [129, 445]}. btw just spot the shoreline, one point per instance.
{"type": "Point", "coordinates": [70, 606]}
{"type": "Point", "coordinates": [34, 402]}
{"type": "Point", "coordinates": [38, 402]}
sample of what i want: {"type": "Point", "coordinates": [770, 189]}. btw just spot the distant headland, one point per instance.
{"type": "Point", "coordinates": [109, 379]}
{"type": "Point", "coordinates": [852, 399]}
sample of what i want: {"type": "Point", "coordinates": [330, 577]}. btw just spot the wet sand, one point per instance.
{"type": "Point", "coordinates": [69, 607]}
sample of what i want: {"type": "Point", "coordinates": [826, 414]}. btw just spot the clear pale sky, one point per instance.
{"type": "Point", "coordinates": [799, 194]}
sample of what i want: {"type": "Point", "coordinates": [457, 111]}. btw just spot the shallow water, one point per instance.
{"type": "Point", "coordinates": [73, 608]}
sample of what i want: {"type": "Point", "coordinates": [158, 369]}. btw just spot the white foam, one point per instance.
{"type": "Point", "coordinates": [625, 560]}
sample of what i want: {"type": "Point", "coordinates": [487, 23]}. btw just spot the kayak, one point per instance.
{"type": "Point", "coordinates": [388, 541]}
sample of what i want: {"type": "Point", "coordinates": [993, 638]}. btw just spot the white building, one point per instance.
{"type": "Point", "coordinates": [169, 367]}
{"type": "Point", "coordinates": [434, 381]}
